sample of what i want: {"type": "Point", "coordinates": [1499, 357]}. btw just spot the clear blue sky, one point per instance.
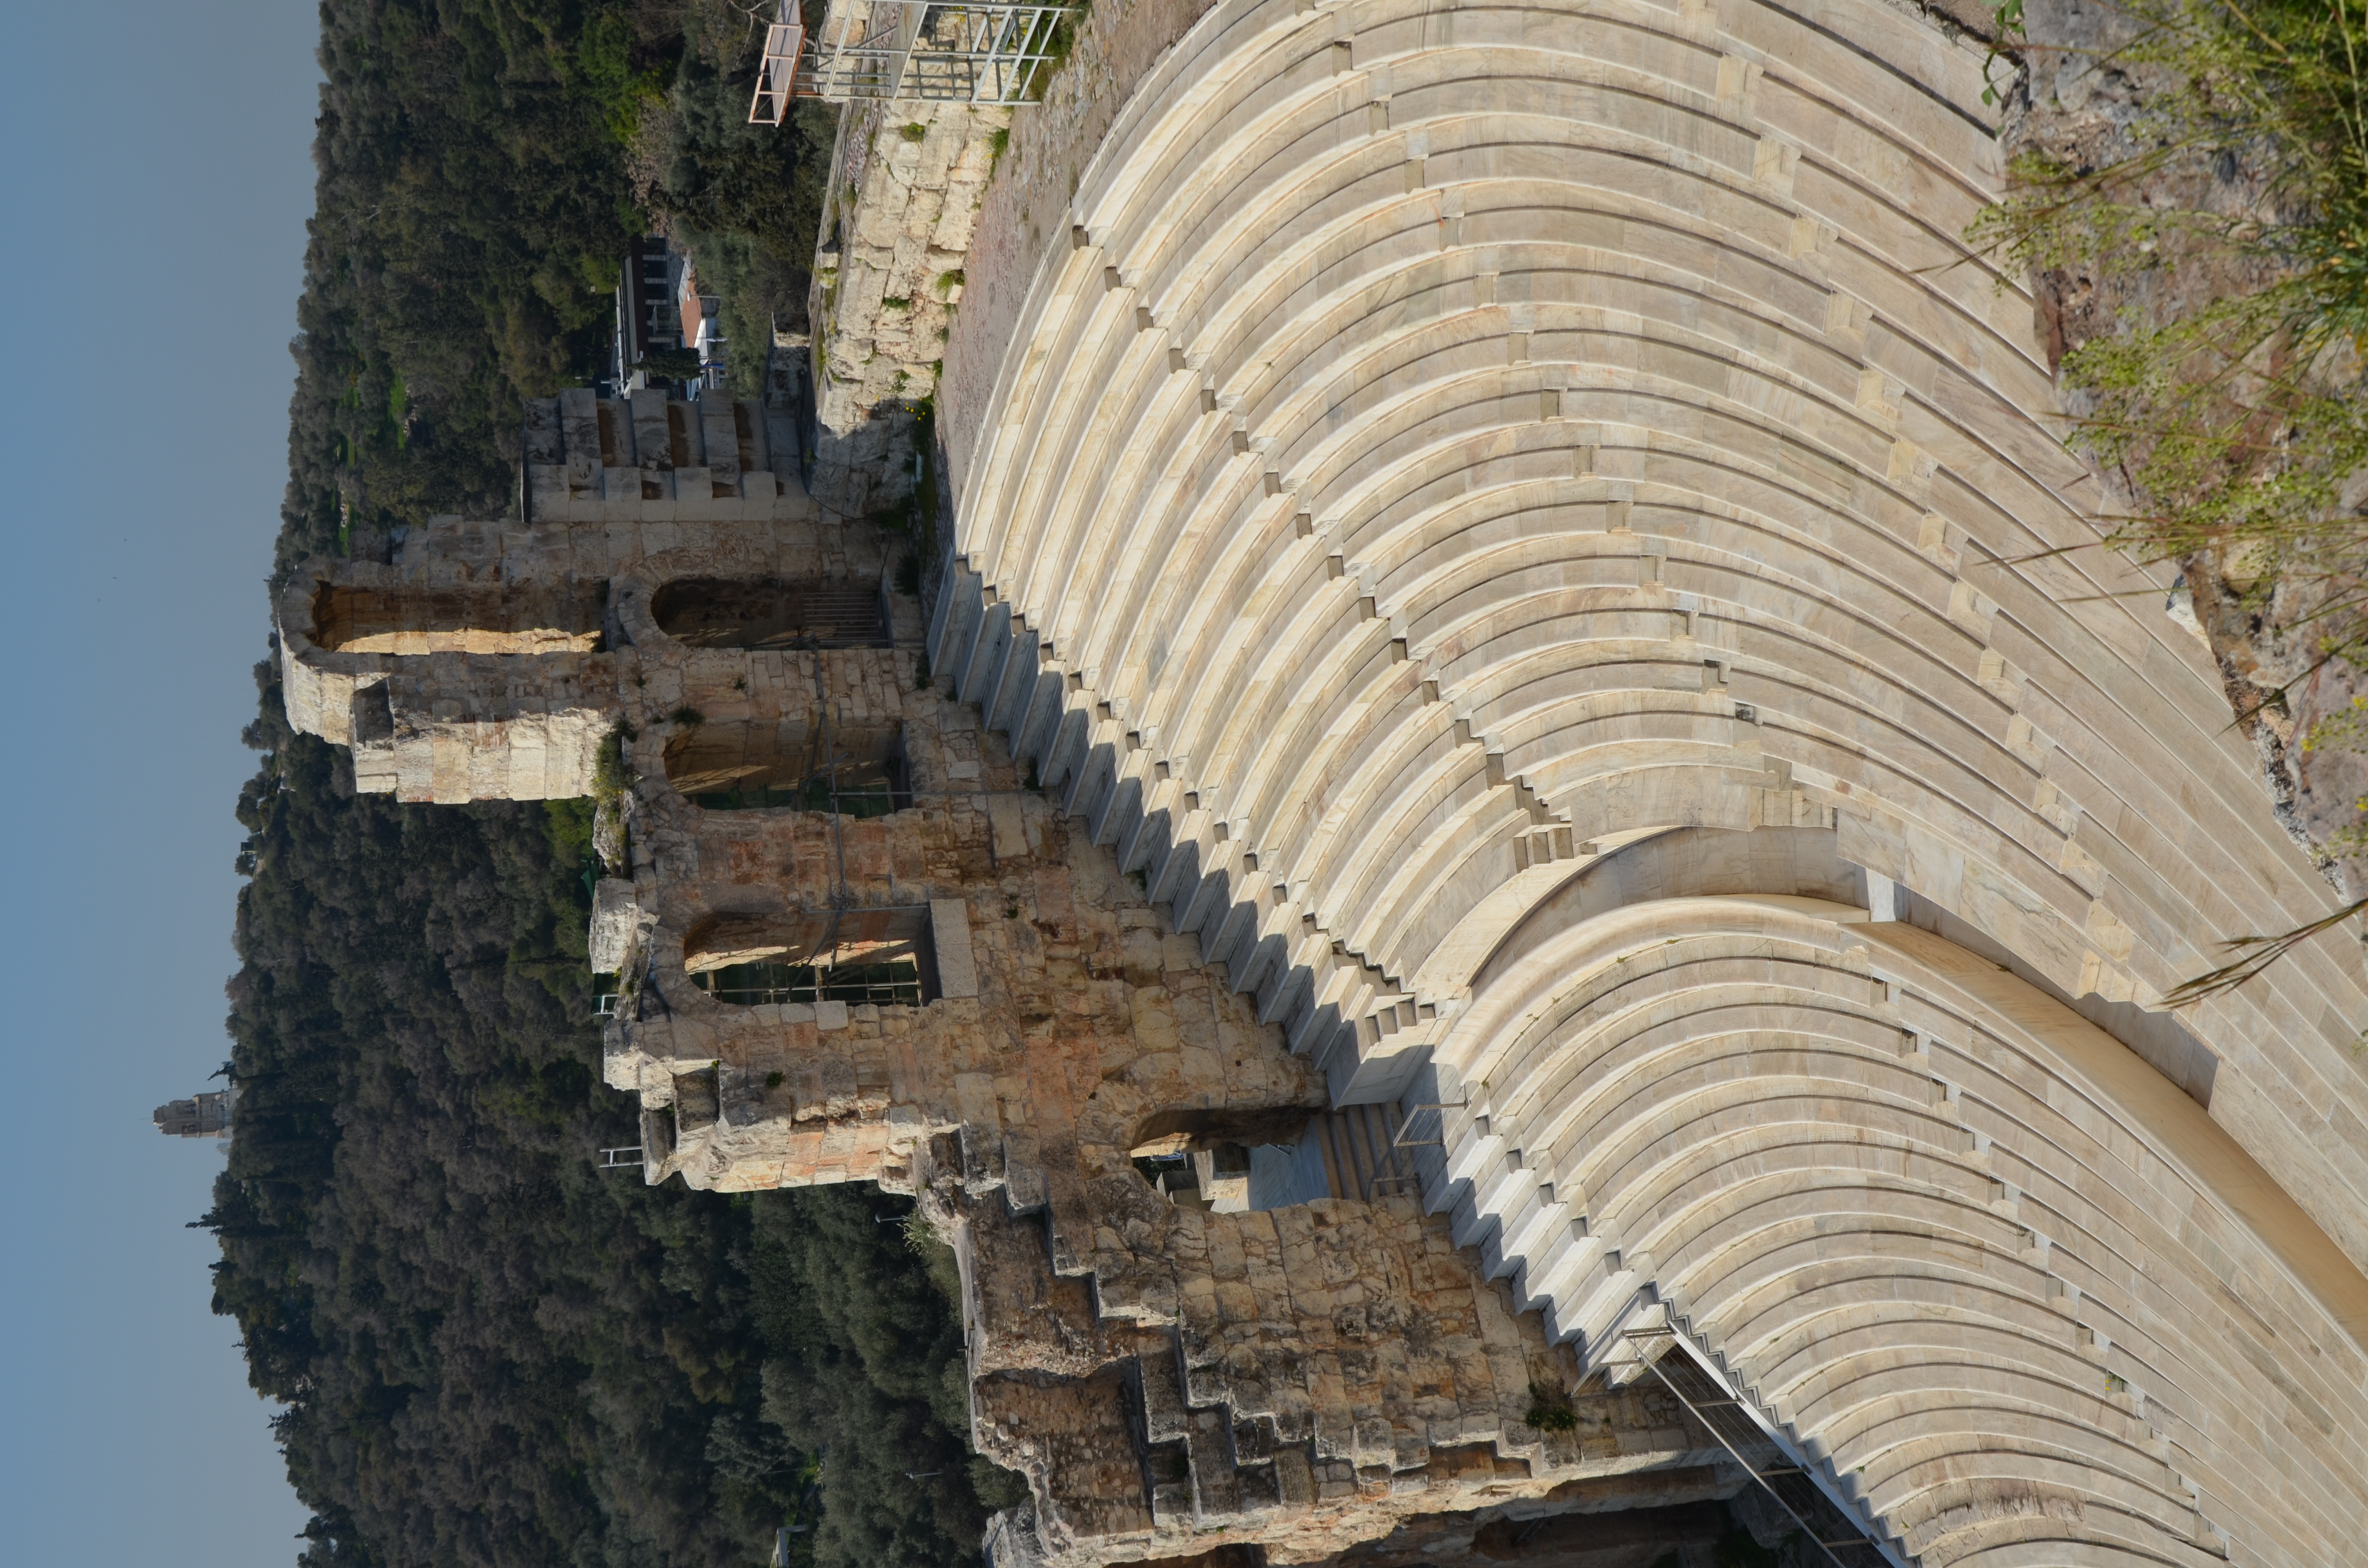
{"type": "Point", "coordinates": [158, 178]}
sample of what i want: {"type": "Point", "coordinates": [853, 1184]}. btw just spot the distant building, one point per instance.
{"type": "Point", "coordinates": [702, 322]}
{"type": "Point", "coordinates": [206, 1116]}
{"type": "Point", "coordinates": [659, 307]}
{"type": "Point", "coordinates": [646, 316]}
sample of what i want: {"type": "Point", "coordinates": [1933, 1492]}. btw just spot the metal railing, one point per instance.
{"type": "Point", "coordinates": [1824, 1519]}
{"type": "Point", "coordinates": [777, 74]}
{"type": "Point", "coordinates": [1400, 1140]}
{"type": "Point", "coordinates": [976, 53]}
{"type": "Point", "coordinates": [770, 984]}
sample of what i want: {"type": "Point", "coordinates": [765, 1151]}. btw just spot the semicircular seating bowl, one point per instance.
{"type": "Point", "coordinates": [1457, 443]}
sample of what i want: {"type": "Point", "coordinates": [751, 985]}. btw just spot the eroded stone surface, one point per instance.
{"type": "Point", "coordinates": [1300, 1379]}
{"type": "Point", "coordinates": [1508, 575]}
{"type": "Point", "coordinates": [896, 225]}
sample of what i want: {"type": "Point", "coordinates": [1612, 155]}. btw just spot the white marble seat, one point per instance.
{"type": "Point", "coordinates": [1450, 431]}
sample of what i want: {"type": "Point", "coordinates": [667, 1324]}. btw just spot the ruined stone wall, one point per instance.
{"type": "Point", "coordinates": [1166, 1378]}
{"type": "Point", "coordinates": [1025, 214]}
{"type": "Point", "coordinates": [896, 226]}
{"type": "Point", "coordinates": [607, 482]}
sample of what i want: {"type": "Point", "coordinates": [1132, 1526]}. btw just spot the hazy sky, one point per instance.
{"type": "Point", "coordinates": [157, 187]}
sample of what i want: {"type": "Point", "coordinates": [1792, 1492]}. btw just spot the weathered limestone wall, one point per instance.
{"type": "Point", "coordinates": [1165, 1378]}
{"type": "Point", "coordinates": [648, 459]}
{"type": "Point", "coordinates": [1299, 1380]}
{"type": "Point", "coordinates": [607, 482]}
{"type": "Point", "coordinates": [1026, 209]}
{"type": "Point", "coordinates": [896, 227]}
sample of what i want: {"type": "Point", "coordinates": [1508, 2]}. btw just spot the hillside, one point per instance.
{"type": "Point", "coordinates": [490, 1351]}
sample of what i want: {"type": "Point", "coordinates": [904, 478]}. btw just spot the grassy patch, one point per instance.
{"type": "Point", "coordinates": [1550, 1408]}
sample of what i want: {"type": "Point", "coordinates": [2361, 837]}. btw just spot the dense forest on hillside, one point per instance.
{"type": "Point", "coordinates": [491, 1352]}
{"type": "Point", "coordinates": [482, 164]}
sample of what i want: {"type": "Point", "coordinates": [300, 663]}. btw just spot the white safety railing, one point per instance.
{"type": "Point", "coordinates": [985, 52]}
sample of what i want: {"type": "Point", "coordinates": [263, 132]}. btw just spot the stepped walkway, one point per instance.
{"type": "Point", "coordinates": [1527, 527]}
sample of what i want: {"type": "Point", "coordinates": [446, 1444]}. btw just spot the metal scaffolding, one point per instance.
{"type": "Point", "coordinates": [1827, 1520]}
{"type": "Point", "coordinates": [981, 51]}
{"type": "Point", "coordinates": [777, 74]}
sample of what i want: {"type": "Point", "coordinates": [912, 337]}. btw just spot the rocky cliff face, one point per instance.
{"type": "Point", "coordinates": [2077, 101]}
{"type": "Point", "coordinates": [896, 225]}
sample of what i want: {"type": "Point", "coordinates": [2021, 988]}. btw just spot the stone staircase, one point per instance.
{"type": "Point", "coordinates": [1437, 421]}
{"type": "Point", "coordinates": [1866, 1200]}
{"type": "Point", "coordinates": [1324, 1371]}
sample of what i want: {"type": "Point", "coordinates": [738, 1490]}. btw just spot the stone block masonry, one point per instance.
{"type": "Point", "coordinates": [1507, 571]}
{"type": "Point", "coordinates": [1165, 1378]}
{"type": "Point", "coordinates": [906, 180]}
{"type": "Point", "coordinates": [1531, 531]}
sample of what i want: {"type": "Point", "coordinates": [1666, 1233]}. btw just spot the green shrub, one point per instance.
{"type": "Point", "coordinates": [609, 778]}
{"type": "Point", "coordinates": [1550, 1408]}
{"type": "Point", "coordinates": [2238, 423]}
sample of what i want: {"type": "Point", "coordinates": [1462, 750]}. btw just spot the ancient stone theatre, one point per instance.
{"type": "Point", "coordinates": [1515, 860]}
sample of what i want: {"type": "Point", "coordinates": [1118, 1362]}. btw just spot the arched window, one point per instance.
{"type": "Point", "coordinates": [771, 612]}
{"type": "Point", "coordinates": [488, 617]}
{"type": "Point", "coordinates": [858, 770]}
{"type": "Point", "coordinates": [878, 956]}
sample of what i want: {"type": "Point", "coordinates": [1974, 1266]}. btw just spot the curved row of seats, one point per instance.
{"type": "Point", "coordinates": [1452, 427]}
{"type": "Point", "coordinates": [2019, 1316]}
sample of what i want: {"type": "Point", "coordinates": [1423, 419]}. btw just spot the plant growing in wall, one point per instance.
{"type": "Point", "coordinates": [611, 777]}
{"type": "Point", "coordinates": [1550, 1408]}
{"type": "Point", "coordinates": [2238, 424]}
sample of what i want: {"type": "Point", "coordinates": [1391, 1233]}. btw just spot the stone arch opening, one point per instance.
{"type": "Point", "coordinates": [880, 957]}
{"type": "Point", "coordinates": [858, 770]}
{"type": "Point", "coordinates": [475, 618]}
{"type": "Point", "coordinates": [771, 612]}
